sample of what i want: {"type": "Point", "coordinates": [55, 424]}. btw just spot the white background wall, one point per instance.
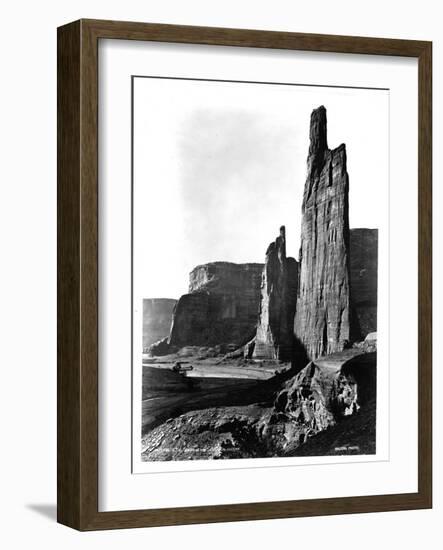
{"type": "Point", "coordinates": [28, 269]}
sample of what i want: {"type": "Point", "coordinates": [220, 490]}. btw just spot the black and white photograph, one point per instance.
{"type": "Point", "coordinates": [221, 271]}
{"type": "Point", "coordinates": [258, 211]}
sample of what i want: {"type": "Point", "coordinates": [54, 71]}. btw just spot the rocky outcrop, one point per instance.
{"type": "Point", "coordinates": [274, 337]}
{"type": "Point", "coordinates": [157, 319]}
{"type": "Point", "coordinates": [364, 264]}
{"type": "Point", "coordinates": [225, 278]}
{"type": "Point", "coordinates": [159, 348]}
{"type": "Point", "coordinates": [322, 320]}
{"type": "Point", "coordinates": [369, 344]}
{"type": "Point", "coordinates": [221, 307]}
{"type": "Point", "coordinates": [216, 433]}
{"type": "Point", "coordinates": [322, 394]}
{"type": "Point", "coordinates": [354, 435]}
{"type": "Point", "coordinates": [321, 397]}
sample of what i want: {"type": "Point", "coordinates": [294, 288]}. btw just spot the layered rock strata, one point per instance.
{"type": "Point", "coordinates": [157, 319]}
{"type": "Point", "coordinates": [322, 319]}
{"type": "Point", "coordinates": [364, 264]}
{"type": "Point", "coordinates": [274, 336]}
{"type": "Point", "coordinates": [221, 307]}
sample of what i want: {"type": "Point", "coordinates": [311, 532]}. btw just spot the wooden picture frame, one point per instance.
{"type": "Point", "coordinates": [77, 457]}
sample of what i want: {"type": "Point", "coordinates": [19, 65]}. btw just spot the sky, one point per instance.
{"type": "Point", "coordinates": [220, 166]}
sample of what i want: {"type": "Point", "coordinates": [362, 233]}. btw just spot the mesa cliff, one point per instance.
{"type": "Point", "coordinates": [322, 320]}
{"type": "Point", "coordinates": [364, 268]}
{"type": "Point", "coordinates": [221, 306]}
{"type": "Point", "coordinates": [157, 319]}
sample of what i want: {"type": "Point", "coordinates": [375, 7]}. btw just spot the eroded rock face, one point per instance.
{"type": "Point", "coordinates": [364, 263]}
{"type": "Point", "coordinates": [157, 319]}
{"type": "Point", "coordinates": [322, 320]}
{"type": "Point", "coordinates": [274, 337]}
{"type": "Point", "coordinates": [221, 307]}
{"type": "Point", "coordinates": [323, 394]}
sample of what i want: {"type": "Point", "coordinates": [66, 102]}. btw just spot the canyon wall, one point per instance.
{"type": "Point", "coordinates": [274, 336]}
{"type": "Point", "coordinates": [157, 319]}
{"type": "Point", "coordinates": [221, 307]}
{"type": "Point", "coordinates": [322, 320]}
{"type": "Point", "coordinates": [364, 266]}
{"type": "Point", "coordinates": [286, 309]}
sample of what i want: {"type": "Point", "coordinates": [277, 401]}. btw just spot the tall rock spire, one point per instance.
{"type": "Point", "coordinates": [318, 133]}
{"type": "Point", "coordinates": [274, 337]}
{"type": "Point", "coordinates": [322, 319]}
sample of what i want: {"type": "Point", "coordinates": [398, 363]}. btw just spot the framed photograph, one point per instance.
{"type": "Point", "coordinates": [244, 274]}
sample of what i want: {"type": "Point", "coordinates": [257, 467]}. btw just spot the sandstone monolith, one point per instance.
{"type": "Point", "coordinates": [274, 337]}
{"type": "Point", "coordinates": [322, 319]}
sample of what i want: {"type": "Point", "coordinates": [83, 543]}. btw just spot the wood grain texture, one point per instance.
{"type": "Point", "coordinates": [425, 273]}
{"type": "Point", "coordinates": [253, 38]}
{"type": "Point", "coordinates": [68, 275]}
{"type": "Point", "coordinates": [77, 171]}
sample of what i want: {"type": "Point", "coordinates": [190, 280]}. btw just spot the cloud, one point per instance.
{"type": "Point", "coordinates": [238, 168]}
